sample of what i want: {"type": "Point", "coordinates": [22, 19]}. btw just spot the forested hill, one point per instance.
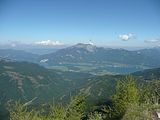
{"type": "Point", "coordinates": [149, 74]}
{"type": "Point", "coordinates": [28, 81]}
{"type": "Point", "coordinates": [25, 81]}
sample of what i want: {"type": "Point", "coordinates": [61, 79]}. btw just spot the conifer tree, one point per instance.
{"type": "Point", "coordinates": [126, 95]}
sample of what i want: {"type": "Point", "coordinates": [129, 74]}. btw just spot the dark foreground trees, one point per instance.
{"type": "Point", "coordinates": [133, 102]}
{"type": "Point", "coordinates": [130, 101]}
{"type": "Point", "coordinates": [73, 111]}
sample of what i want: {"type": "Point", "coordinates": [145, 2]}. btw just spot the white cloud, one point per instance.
{"type": "Point", "coordinates": [48, 43]}
{"type": "Point", "coordinates": [126, 37]}
{"type": "Point", "coordinates": [44, 60]}
{"type": "Point", "coordinates": [13, 45]}
{"type": "Point", "coordinates": [153, 40]}
{"type": "Point", "coordinates": [91, 43]}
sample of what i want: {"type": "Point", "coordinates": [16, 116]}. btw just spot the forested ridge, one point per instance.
{"type": "Point", "coordinates": [130, 101]}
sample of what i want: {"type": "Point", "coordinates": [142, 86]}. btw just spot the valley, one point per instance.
{"type": "Point", "coordinates": [42, 79]}
{"type": "Point", "coordinates": [57, 77]}
{"type": "Point", "coordinates": [91, 59]}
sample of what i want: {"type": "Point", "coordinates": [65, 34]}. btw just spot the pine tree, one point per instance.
{"type": "Point", "coordinates": [126, 95]}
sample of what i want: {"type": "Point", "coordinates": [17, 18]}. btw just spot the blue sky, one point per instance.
{"type": "Point", "coordinates": [105, 22]}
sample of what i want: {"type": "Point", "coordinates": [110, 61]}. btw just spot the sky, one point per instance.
{"type": "Point", "coordinates": [67, 22]}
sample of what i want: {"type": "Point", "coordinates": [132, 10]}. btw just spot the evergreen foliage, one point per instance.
{"type": "Point", "coordinates": [125, 96]}
{"type": "Point", "coordinates": [129, 102]}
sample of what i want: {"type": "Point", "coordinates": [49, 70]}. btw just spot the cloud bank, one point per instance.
{"type": "Point", "coordinates": [49, 43]}
{"type": "Point", "coordinates": [126, 37]}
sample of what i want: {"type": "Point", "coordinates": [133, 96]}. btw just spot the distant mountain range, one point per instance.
{"type": "Point", "coordinates": [91, 59]}
{"type": "Point", "coordinates": [87, 53]}
{"type": "Point", "coordinates": [98, 59]}
{"type": "Point", "coordinates": [18, 55]}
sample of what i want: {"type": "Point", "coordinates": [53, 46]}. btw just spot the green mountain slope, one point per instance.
{"type": "Point", "coordinates": [149, 74]}
{"type": "Point", "coordinates": [100, 88]}
{"type": "Point", "coordinates": [25, 81]}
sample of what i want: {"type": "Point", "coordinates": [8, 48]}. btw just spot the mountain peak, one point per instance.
{"type": "Point", "coordinates": [88, 47]}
